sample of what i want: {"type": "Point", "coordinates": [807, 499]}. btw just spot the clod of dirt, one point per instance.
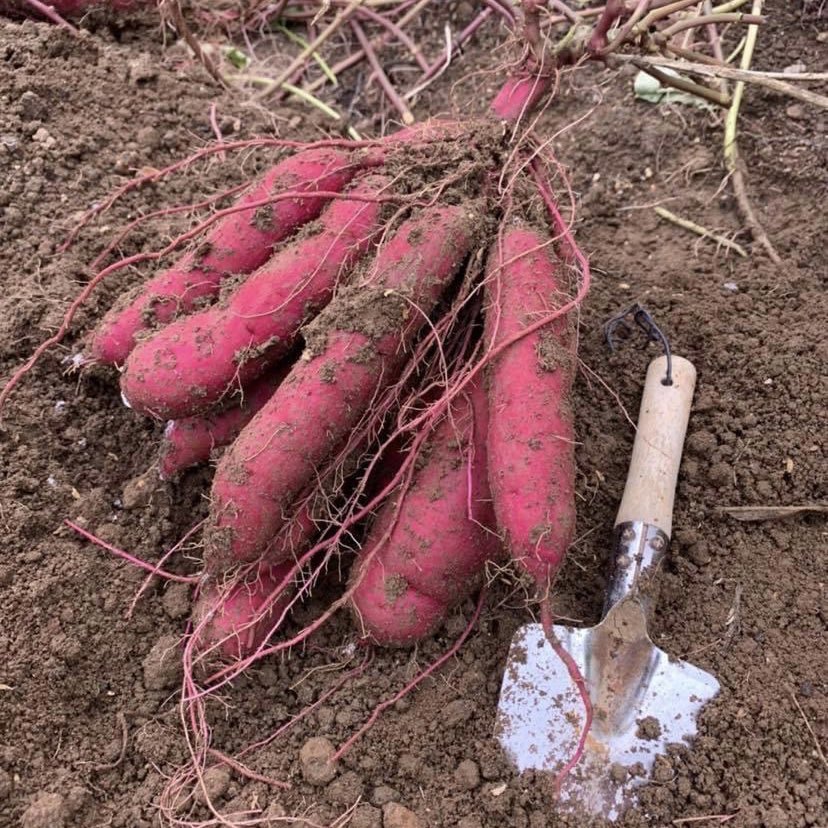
{"type": "Point", "coordinates": [47, 811]}
{"type": "Point", "coordinates": [6, 784]}
{"type": "Point", "coordinates": [409, 765]}
{"type": "Point", "coordinates": [156, 744]}
{"type": "Point", "coordinates": [467, 775]}
{"type": "Point", "coordinates": [699, 553]}
{"type": "Point", "coordinates": [457, 712]}
{"type": "Point", "coordinates": [216, 782]}
{"type": "Point", "coordinates": [162, 665]}
{"type": "Point", "coordinates": [382, 795]}
{"type": "Point", "coordinates": [366, 816]}
{"type": "Point", "coordinates": [176, 600]}
{"type": "Point", "coordinates": [775, 817]}
{"type": "Point", "coordinates": [275, 810]}
{"type": "Point", "coordinates": [346, 790]}
{"type": "Point", "coordinates": [701, 443]}
{"type": "Point", "coordinates": [720, 474]}
{"type": "Point", "coordinates": [136, 493]}
{"type": "Point", "coordinates": [663, 769]}
{"type": "Point", "coordinates": [317, 769]}
{"type": "Point", "coordinates": [143, 68]}
{"type": "Point", "coordinates": [618, 773]}
{"type": "Point", "coordinates": [395, 815]}
{"type": "Point", "coordinates": [33, 107]}
{"type": "Point", "coordinates": [648, 728]}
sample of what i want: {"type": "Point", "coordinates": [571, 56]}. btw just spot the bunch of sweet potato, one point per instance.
{"type": "Point", "coordinates": [277, 333]}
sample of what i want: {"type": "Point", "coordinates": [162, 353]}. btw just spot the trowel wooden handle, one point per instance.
{"type": "Point", "coordinates": [662, 424]}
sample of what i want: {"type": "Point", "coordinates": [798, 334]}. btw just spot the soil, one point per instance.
{"type": "Point", "coordinates": [88, 715]}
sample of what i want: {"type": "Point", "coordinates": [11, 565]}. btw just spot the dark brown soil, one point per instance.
{"type": "Point", "coordinates": [745, 601]}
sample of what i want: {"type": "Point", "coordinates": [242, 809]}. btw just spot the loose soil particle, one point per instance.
{"type": "Point", "coordinates": [745, 601]}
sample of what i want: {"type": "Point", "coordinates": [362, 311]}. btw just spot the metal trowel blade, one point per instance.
{"type": "Point", "coordinates": [641, 699]}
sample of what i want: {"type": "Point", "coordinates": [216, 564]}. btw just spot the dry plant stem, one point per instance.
{"type": "Point", "coordinates": [173, 8]}
{"type": "Point", "coordinates": [314, 45]}
{"type": "Point", "coordinates": [398, 33]}
{"type": "Point", "coordinates": [767, 80]}
{"type": "Point", "coordinates": [704, 20]}
{"type": "Point", "coordinates": [712, 95]}
{"type": "Point", "coordinates": [439, 66]}
{"type": "Point", "coordinates": [714, 39]}
{"type": "Point", "coordinates": [358, 55]}
{"type": "Point", "coordinates": [758, 513]}
{"type": "Point", "coordinates": [387, 87]}
{"type": "Point", "coordinates": [733, 162]}
{"type": "Point", "coordinates": [817, 745]}
{"type": "Point", "coordinates": [701, 231]}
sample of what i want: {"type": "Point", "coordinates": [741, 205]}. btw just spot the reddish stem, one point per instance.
{"type": "Point", "coordinates": [154, 569]}
{"type": "Point", "coordinates": [50, 13]}
{"type": "Point", "coordinates": [577, 678]}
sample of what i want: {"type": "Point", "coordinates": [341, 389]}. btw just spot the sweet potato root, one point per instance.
{"type": "Point", "coordinates": [238, 243]}
{"type": "Point", "coordinates": [428, 553]}
{"type": "Point", "coordinates": [235, 621]}
{"type": "Point", "coordinates": [355, 347]}
{"type": "Point", "coordinates": [531, 434]}
{"type": "Point", "coordinates": [189, 365]}
{"type": "Point", "coordinates": [191, 440]}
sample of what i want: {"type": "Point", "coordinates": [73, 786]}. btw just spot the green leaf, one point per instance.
{"type": "Point", "coordinates": [649, 89]}
{"type": "Point", "coordinates": [237, 57]}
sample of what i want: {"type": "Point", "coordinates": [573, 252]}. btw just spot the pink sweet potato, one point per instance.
{"type": "Point", "coordinates": [238, 243]}
{"type": "Point", "coordinates": [193, 362]}
{"type": "Point", "coordinates": [439, 540]}
{"type": "Point", "coordinates": [235, 622]}
{"type": "Point", "coordinates": [519, 96]}
{"type": "Point", "coordinates": [531, 435]}
{"type": "Point", "coordinates": [190, 440]}
{"type": "Point", "coordinates": [356, 346]}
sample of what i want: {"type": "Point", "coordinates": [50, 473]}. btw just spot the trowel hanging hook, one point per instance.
{"type": "Point", "coordinates": [641, 316]}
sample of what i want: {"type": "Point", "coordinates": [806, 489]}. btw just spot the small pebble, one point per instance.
{"type": "Point", "coordinates": [366, 816]}
{"type": "Point", "coordinates": [314, 759]}
{"type": "Point", "coordinates": [162, 665]}
{"type": "Point", "coordinates": [216, 781]}
{"type": "Point", "coordinates": [176, 600]}
{"type": "Point", "coordinates": [136, 493]}
{"type": "Point", "coordinates": [346, 790]}
{"type": "Point", "coordinates": [32, 106]}
{"type": "Point", "coordinates": [467, 775]}
{"type": "Point", "coordinates": [395, 815]}
{"type": "Point", "coordinates": [796, 112]}
{"type": "Point", "coordinates": [382, 795]}
{"type": "Point", "coordinates": [457, 712]}
{"type": "Point", "coordinates": [47, 811]}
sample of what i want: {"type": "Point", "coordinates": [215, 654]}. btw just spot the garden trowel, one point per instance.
{"type": "Point", "coordinates": [642, 699]}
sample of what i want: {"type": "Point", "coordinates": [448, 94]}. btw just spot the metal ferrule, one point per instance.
{"type": "Point", "coordinates": [638, 551]}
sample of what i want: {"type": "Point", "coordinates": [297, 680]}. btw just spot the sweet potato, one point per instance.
{"type": "Point", "coordinates": [439, 539]}
{"type": "Point", "coordinates": [234, 622]}
{"type": "Point", "coordinates": [519, 96]}
{"type": "Point", "coordinates": [356, 346]}
{"type": "Point", "coordinates": [531, 434]}
{"type": "Point", "coordinates": [193, 362]}
{"type": "Point", "coordinates": [190, 440]}
{"type": "Point", "coordinates": [238, 243]}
